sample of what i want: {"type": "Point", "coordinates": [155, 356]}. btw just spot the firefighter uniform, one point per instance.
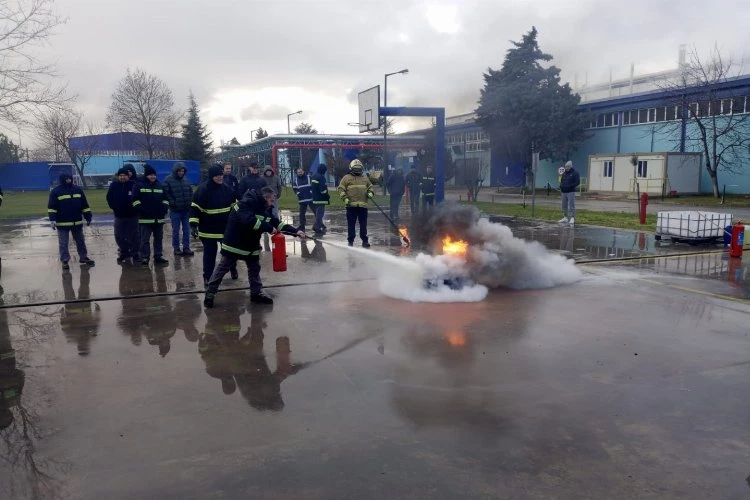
{"type": "Point", "coordinates": [355, 190]}
{"type": "Point", "coordinates": [66, 207]}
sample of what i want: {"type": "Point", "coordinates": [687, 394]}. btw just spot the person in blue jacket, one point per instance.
{"type": "Point", "coordinates": [151, 202]}
{"type": "Point", "coordinates": [66, 207]}
{"type": "Point", "coordinates": [120, 200]}
{"type": "Point", "coordinates": [303, 189]}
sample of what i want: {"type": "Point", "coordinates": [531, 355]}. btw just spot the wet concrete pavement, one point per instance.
{"type": "Point", "coordinates": [631, 383]}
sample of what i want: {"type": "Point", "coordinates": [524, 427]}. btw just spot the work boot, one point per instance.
{"type": "Point", "coordinates": [572, 221]}
{"type": "Point", "coordinates": [260, 298]}
{"type": "Point", "coordinates": [161, 261]}
{"type": "Point", "coordinates": [351, 243]}
{"type": "Point", "coordinates": [208, 302]}
{"type": "Point", "coordinates": [144, 262]}
{"type": "Point", "coordinates": [122, 260]}
{"type": "Point", "coordinates": [177, 252]}
{"type": "Point", "coordinates": [188, 253]}
{"type": "Point", "coordinates": [87, 262]}
{"type": "Point", "coordinates": [563, 220]}
{"type": "Point", "coordinates": [66, 266]}
{"type": "Point", "coordinates": [365, 244]}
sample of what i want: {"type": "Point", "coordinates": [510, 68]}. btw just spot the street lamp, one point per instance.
{"type": "Point", "coordinates": [288, 127]}
{"type": "Point", "coordinates": [385, 123]}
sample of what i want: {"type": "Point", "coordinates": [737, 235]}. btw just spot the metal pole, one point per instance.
{"type": "Point", "coordinates": [288, 127]}
{"type": "Point", "coordinates": [385, 132]}
{"type": "Point", "coordinates": [534, 164]}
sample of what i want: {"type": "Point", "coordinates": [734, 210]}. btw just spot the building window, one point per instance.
{"type": "Point", "coordinates": [661, 114]}
{"type": "Point", "coordinates": [642, 168]}
{"type": "Point", "coordinates": [600, 120]}
{"type": "Point", "coordinates": [652, 115]}
{"type": "Point", "coordinates": [607, 169]}
{"type": "Point", "coordinates": [634, 117]}
{"type": "Point", "coordinates": [626, 118]}
{"type": "Point", "coordinates": [642, 116]}
{"type": "Point", "coordinates": [738, 105]}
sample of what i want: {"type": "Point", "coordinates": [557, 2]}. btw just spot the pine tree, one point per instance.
{"type": "Point", "coordinates": [260, 133]}
{"type": "Point", "coordinates": [195, 138]}
{"type": "Point", "coordinates": [524, 106]}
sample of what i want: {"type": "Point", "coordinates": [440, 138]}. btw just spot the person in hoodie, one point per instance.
{"type": "Point", "coordinates": [248, 219]}
{"type": "Point", "coordinates": [66, 207]}
{"type": "Point", "coordinates": [302, 187]}
{"type": "Point", "coordinates": [135, 236]}
{"type": "Point", "coordinates": [150, 200]}
{"type": "Point", "coordinates": [180, 195]}
{"type": "Point", "coordinates": [209, 212]}
{"type": "Point", "coordinates": [252, 180]}
{"type": "Point", "coordinates": [396, 185]}
{"type": "Point", "coordinates": [120, 200]}
{"type": "Point", "coordinates": [229, 179]}
{"type": "Point", "coordinates": [274, 182]}
{"type": "Point", "coordinates": [321, 198]}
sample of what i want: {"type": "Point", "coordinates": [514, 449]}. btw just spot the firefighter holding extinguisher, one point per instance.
{"type": "Point", "coordinates": [248, 220]}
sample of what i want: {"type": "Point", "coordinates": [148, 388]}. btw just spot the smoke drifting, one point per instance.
{"type": "Point", "coordinates": [495, 257]}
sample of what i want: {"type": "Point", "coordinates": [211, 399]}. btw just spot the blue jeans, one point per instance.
{"type": "Point", "coordinates": [63, 238]}
{"type": "Point", "coordinates": [180, 220]}
{"type": "Point", "coordinates": [569, 204]}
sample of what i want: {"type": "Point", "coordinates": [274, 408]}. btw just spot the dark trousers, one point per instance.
{"type": "Point", "coordinates": [125, 230]}
{"type": "Point", "coordinates": [303, 206]}
{"type": "Point", "coordinates": [428, 200]}
{"type": "Point", "coordinates": [320, 212]}
{"type": "Point", "coordinates": [226, 264]}
{"type": "Point", "coordinates": [210, 250]}
{"type": "Point", "coordinates": [157, 230]}
{"type": "Point", "coordinates": [395, 203]}
{"type": "Point", "coordinates": [63, 238]}
{"type": "Point", "coordinates": [414, 202]}
{"type": "Point", "coordinates": [354, 214]}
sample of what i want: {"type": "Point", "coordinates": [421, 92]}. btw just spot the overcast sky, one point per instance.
{"type": "Point", "coordinates": [250, 62]}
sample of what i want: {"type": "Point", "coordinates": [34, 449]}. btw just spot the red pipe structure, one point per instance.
{"type": "Point", "coordinates": [328, 145]}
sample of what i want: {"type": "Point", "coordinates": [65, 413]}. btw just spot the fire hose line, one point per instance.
{"type": "Point", "coordinates": [644, 257]}
{"type": "Point", "coordinates": [87, 300]}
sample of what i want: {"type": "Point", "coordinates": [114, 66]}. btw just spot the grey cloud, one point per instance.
{"type": "Point", "coordinates": [224, 120]}
{"type": "Point", "coordinates": [258, 112]}
{"type": "Point", "coordinates": [333, 45]}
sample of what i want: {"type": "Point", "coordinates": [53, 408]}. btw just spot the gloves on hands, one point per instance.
{"type": "Point", "coordinates": [194, 232]}
{"type": "Point", "coordinates": [54, 225]}
{"type": "Point", "coordinates": [370, 194]}
{"type": "Point", "coordinates": [346, 201]}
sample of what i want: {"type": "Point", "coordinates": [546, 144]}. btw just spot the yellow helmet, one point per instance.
{"type": "Point", "coordinates": [356, 167]}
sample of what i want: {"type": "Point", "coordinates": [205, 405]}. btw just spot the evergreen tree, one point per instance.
{"type": "Point", "coordinates": [8, 150]}
{"type": "Point", "coordinates": [195, 138]}
{"type": "Point", "coordinates": [234, 142]}
{"type": "Point", "coordinates": [261, 133]}
{"type": "Point", "coordinates": [523, 106]}
{"type": "Point", "coordinates": [305, 128]}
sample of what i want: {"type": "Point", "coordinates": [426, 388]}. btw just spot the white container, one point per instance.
{"type": "Point", "coordinates": [692, 224]}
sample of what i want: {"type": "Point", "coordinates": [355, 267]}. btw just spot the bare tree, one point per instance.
{"type": "Point", "coordinates": [474, 175]}
{"type": "Point", "coordinates": [708, 117]}
{"type": "Point", "coordinates": [24, 25]}
{"type": "Point", "coordinates": [384, 122]}
{"type": "Point", "coordinates": [143, 103]}
{"type": "Point", "coordinates": [65, 133]}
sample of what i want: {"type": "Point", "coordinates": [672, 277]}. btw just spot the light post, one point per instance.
{"type": "Point", "coordinates": [385, 123]}
{"type": "Point", "coordinates": [251, 135]}
{"type": "Point", "coordinates": [288, 127]}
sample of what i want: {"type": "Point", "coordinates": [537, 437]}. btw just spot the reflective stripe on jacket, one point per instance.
{"type": "Point", "coordinates": [356, 189]}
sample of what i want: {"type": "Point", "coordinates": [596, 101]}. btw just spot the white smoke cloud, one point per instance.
{"type": "Point", "coordinates": [501, 259]}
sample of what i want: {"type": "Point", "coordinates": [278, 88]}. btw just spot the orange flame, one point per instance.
{"type": "Point", "coordinates": [402, 231]}
{"type": "Point", "coordinates": [457, 248]}
{"type": "Point", "coordinates": [456, 339]}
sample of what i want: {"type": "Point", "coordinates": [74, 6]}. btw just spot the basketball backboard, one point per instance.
{"type": "Point", "coordinates": [369, 109]}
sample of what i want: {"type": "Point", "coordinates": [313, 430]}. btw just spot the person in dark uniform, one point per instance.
{"type": "Point", "coordinates": [428, 188]}
{"type": "Point", "coordinates": [321, 198]}
{"type": "Point", "coordinates": [120, 200]}
{"type": "Point", "coordinates": [229, 178]}
{"type": "Point", "coordinates": [414, 185]}
{"type": "Point", "coordinates": [247, 221]}
{"type": "Point", "coordinates": [151, 202]}
{"type": "Point", "coordinates": [251, 180]}
{"type": "Point", "coordinates": [209, 213]}
{"type": "Point", "coordinates": [66, 207]}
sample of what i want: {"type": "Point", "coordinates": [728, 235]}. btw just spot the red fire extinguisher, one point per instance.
{"type": "Point", "coordinates": [278, 252]}
{"type": "Point", "coordinates": [738, 239]}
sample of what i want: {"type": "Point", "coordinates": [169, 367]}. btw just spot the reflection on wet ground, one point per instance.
{"type": "Point", "coordinates": [601, 389]}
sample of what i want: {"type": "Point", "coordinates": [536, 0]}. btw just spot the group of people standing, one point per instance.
{"type": "Point", "coordinates": [415, 184]}
{"type": "Point", "coordinates": [227, 215]}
